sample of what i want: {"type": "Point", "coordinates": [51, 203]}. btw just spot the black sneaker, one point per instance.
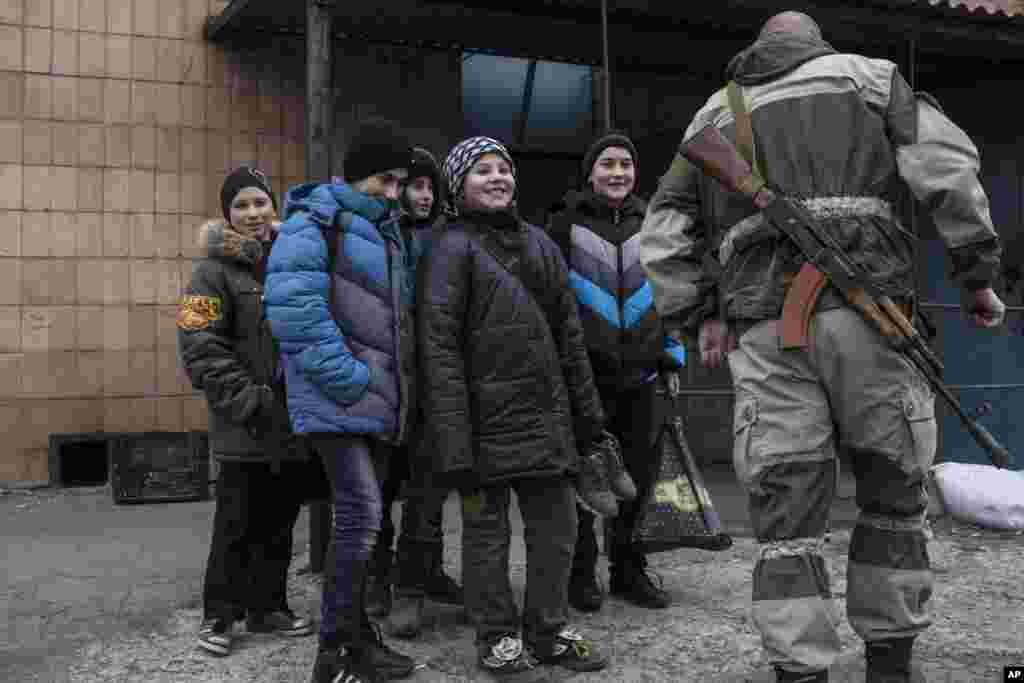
{"type": "Point", "coordinates": [282, 622]}
{"type": "Point", "coordinates": [215, 637]}
{"type": "Point", "coordinates": [574, 652]}
{"type": "Point", "coordinates": [442, 588]}
{"type": "Point", "coordinates": [388, 663]}
{"type": "Point", "coordinates": [508, 660]}
{"type": "Point", "coordinates": [340, 666]}
{"type": "Point", "coordinates": [636, 583]}
{"type": "Point", "coordinates": [585, 593]}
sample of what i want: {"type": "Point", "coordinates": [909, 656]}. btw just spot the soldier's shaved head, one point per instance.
{"type": "Point", "coordinates": [796, 23]}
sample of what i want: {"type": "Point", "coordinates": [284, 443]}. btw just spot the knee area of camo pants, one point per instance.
{"type": "Point", "coordinates": [889, 578]}
{"type": "Point", "coordinates": [792, 601]}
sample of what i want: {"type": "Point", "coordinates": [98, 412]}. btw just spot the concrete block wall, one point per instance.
{"type": "Point", "coordinates": [117, 125]}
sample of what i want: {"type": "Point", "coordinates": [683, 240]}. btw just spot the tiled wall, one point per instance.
{"type": "Point", "coordinates": [117, 124]}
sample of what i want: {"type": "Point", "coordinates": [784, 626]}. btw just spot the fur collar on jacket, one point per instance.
{"type": "Point", "coordinates": [221, 241]}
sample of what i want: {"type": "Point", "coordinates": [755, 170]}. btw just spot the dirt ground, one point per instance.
{"type": "Point", "coordinates": [706, 635]}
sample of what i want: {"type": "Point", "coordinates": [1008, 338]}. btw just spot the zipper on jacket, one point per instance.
{"type": "Point", "coordinates": [621, 298]}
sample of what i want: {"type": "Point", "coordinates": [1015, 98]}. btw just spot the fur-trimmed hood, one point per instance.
{"type": "Point", "coordinates": [221, 241]}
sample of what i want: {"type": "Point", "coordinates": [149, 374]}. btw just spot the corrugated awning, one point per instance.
{"type": "Point", "coordinates": [643, 34]}
{"type": "Point", "coordinates": [1006, 8]}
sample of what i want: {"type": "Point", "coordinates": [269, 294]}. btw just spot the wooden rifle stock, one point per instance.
{"type": "Point", "coordinates": [713, 154]}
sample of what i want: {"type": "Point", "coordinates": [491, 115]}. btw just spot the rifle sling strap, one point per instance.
{"type": "Point", "coordinates": [803, 291]}
{"type": "Point", "coordinates": [744, 129]}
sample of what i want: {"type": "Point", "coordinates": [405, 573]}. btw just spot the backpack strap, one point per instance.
{"type": "Point", "coordinates": [332, 236]}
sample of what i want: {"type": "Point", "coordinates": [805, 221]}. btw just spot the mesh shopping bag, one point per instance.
{"type": "Point", "coordinates": [679, 512]}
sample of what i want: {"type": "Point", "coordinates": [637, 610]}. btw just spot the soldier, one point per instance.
{"type": "Point", "coordinates": [844, 134]}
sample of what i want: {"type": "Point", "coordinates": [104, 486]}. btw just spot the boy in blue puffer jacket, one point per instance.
{"type": "Point", "coordinates": [345, 328]}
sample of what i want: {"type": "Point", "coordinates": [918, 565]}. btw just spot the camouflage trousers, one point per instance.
{"type": "Point", "coordinates": [793, 410]}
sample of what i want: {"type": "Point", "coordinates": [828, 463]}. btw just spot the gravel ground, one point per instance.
{"type": "Point", "coordinates": [706, 635]}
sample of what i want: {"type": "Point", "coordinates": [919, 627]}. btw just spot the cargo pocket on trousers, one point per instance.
{"type": "Point", "coordinates": [744, 423]}
{"type": "Point", "coordinates": [919, 412]}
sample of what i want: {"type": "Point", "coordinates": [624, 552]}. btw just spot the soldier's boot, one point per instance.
{"type": "Point", "coordinates": [785, 676]}
{"type": "Point", "coordinates": [889, 661]}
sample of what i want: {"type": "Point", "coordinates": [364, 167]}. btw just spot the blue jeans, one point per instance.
{"type": "Point", "coordinates": [354, 476]}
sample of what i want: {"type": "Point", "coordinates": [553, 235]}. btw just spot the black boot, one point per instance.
{"type": "Point", "coordinates": [388, 663]}
{"type": "Point", "coordinates": [366, 642]}
{"type": "Point", "coordinates": [366, 636]}
{"type": "Point", "coordinates": [889, 661]}
{"type": "Point", "coordinates": [784, 676]}
{"type": "Point", "coordinates": [341, 664]}
{"type": "Point", "coordinates": [632, 580]}
{"type": "Point", "coordinates": [379, 582]}
{"type": "Point", "coordinates": [584, 592]}
{"type": "Point", "coordinates": [438, 586]}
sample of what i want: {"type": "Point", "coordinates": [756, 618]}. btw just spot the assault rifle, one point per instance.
{"type": "Point", "coordinates": [826, 262]}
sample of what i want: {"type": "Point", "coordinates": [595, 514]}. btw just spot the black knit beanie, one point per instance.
{"type": "Point", "coordinates": [241, 178]}
{"type": "Point", "coordinates": [377, 145]}
{"type": "Point", "coordinates": [614, 138]}
{"type": "Point", "coordinates": [423, 165]}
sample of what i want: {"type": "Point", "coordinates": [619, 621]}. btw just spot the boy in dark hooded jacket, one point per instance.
{"type": "Point", "coordinates": [419, 571]}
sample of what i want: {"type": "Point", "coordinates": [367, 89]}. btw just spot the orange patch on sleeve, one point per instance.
{"type": "Point", "coordinates": [198, 312]}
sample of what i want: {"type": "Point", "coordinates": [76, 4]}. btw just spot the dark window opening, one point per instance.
{"type": "Point", "coordinates": [542, 111]}
{"type": "Point", "coordinates": [83, 463]}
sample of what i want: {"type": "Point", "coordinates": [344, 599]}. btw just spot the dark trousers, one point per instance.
{"type": "Point", "coordinates": [548, 510]}
{"type": "Point", "coordinates": [633, 417]}
{"type": "Point", "coordinates": [352, 464]}
{"type": "Point", "coordinates": [251, 548]}
{"type": "Point", "coordinates": [421, 538]}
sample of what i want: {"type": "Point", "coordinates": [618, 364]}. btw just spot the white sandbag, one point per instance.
{"type": "Point", "coordinates": [980, 494]}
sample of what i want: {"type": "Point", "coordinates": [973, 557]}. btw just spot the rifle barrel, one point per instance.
{"type": "Point", "coordinates": [996, 452]}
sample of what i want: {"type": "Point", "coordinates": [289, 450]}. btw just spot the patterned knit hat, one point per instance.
{"type": "Point", "coordinates": [464, 155]}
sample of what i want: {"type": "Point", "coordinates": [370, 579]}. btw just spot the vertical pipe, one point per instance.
{"type": "Point", "coordinates": [607, 81]}
{"type": "Point", "coordinates": [524, 110]}
{"type": "Point", "coordinates": [319, 127]}
{"type": "Point", "coordinates": [319, 130]}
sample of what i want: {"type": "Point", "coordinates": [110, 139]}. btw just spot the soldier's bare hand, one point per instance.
{"type": "Point", "coordinates": [716, 341]}
{"type": "Point", "coordinates": [984, 308]}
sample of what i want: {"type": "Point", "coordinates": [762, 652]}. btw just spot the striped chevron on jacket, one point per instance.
{"type": "Point", "coordinates": [622, 330]}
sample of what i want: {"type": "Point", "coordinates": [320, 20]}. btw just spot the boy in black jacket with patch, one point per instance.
{"type": "Point", "coordinates": [229, 354]}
